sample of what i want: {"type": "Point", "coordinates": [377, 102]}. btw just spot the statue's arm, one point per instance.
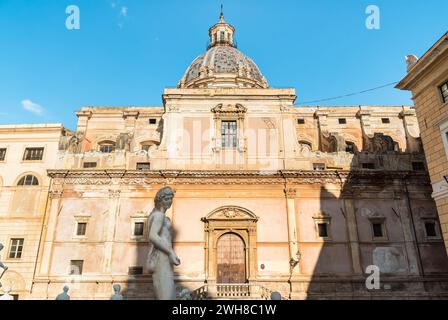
{"type": "Point", "coordinates": [156, 240]}
{"type": "Point", "coordinates": [3, 266]}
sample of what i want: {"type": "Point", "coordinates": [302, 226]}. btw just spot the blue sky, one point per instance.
{"type": "Point", "coordinates": [128, 51]}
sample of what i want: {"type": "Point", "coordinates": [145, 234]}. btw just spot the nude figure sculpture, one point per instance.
{"type": "Point", "coordinates": [162, 258]}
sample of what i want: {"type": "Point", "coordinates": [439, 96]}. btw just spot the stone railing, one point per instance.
{"type": "Point", "coordinates": [232, 291]}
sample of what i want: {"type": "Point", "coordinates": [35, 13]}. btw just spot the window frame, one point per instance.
{"type": "Point", "coordinates": [27, 149]}
{"type": "Point", "coordinates": [135, 268]}
{"type": "Point", "coordinates": [139, 217]}
{"type": "Point", "coordinates": [319, 219]}
{"type": "Point", "coordinates": [81, 268]}
{"type": "Point", "coordinates": [443, 98]}
{"type": "Point", "coordinates": [78, 224]}
{"type": "Point", "coordinates": [82, 217]}
{"type": "Point", "coordinates": [24, 178]}
{"type": "Point", "coordinates": [5, 150]}
{"type": "Point", "coordinates": [385, 120]}
{"type": "Point", "coordinates": [15, 258]}
{"type": "Point", "coordinates": [368, 163]}
{"type": "Point", "coordinates": [342, 121]}
{"type": "Point", "coordinates": [437, 229]}
{"type": "Point", "coordinates": [382, 222]}
{"type": "Point", "coordinates": [142, 224]}
{"type": "Point", "coordinates": [107, 143]}
{"type": "Point", "coordinates": [232, 135]}
{"type": "Point", "coordinates": [142, 169]}
{"type": "Point", "coordinates": [444, 132]}
{"type": "Point", "coordinates": [90, 162]}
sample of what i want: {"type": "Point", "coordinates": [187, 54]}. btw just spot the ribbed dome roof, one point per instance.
{"type": "Point", "coordinates": [223, 65]}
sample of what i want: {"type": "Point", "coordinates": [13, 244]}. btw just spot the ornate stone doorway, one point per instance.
{"type": "Point", "coordinates": [230, 246]}
{"type": "Point", "coordinates": [231, 259]}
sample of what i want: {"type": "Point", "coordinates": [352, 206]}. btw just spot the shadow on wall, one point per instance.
{"type": "Point", "coordinates": [375, 221]}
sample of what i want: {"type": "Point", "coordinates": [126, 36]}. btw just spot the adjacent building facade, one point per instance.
{"type": "Point", "coordinates": [427, 78]}
{"type": "Point", "coordinates": [26, 153]}
{"type": "Point", "coordinates": [269, 196]}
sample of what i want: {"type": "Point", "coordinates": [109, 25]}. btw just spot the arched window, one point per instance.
{"type": "Point", "coordinates": [107, 146]}
{"type": "Point", "coordinates": [28, 180]}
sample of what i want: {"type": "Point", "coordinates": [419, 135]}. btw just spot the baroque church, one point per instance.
{"type": "Point", "coordinates": [269, 196]}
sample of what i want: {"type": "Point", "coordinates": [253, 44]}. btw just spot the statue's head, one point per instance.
{"type": "Point", "coordinates": [66, 288]}
{"type": "Point", "coordinates": [117, 288]}
{"type": "Point", "coordinates": [7, 290]}
{"type": "Point", "coordinates": [164, 198]}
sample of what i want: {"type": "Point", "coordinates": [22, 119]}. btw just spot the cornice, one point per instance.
{"type": "Point", "coordinates": [123, 177]}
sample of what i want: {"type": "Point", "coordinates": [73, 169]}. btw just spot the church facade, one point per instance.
{"type": "Point", "coordinates": [268, 196]}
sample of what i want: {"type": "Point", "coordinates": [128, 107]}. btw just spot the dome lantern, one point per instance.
{"type": "Point", "coordinates": [223, 65]}
{"type": "Point", "coordinates": [222, 33]}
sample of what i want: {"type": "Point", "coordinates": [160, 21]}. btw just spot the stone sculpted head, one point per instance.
{"type": "Point", "coordinates": [66, 288]}
{"type": "Point", "coordinates": [117, 288]}
{"type": "Point", "coordinates": [164, 198]}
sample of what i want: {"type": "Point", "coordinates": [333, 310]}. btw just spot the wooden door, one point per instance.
{"type": "Point", "coordinates": [231, 259]}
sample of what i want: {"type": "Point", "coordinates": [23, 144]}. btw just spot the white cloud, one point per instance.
{"type": "Point", "coordinates": [124, 11]}
{"type": "Point", "coordinates": [32, 107]}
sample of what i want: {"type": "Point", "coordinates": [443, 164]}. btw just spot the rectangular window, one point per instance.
{"type": "Point", "coordinates": [139, 228]}
{"type": "Point", "coordinates": [430, 228]}
{"type": "Point", "coordinates": [301, 121]}
{"type": "Point", "coordinates": [342, 121]}
{"type": "Point", "coordinates": [76, 267]}
{"type": "Point", "coordinates": [319, 166]}
{"type": "Point", "coordinates": [135, 271]}
{"type": "Point", "coordinates": [368, 166]}
{"type": "Point", "coordinates": [107, 148]}
{"type": "Point", "coordinates": [229, 134]}
{"type": "Point", "coordinates": [444, 91]}
{"type": "Point", "coordinates": [143, 166]}
{"type": "Point", "coordinates": [385, 120]}
{"type": "Point", "coordinates": [2, 154]}
{"type": "Point", "coordinates": [222, 36]}
{"type": "Point", "coordinates": [32, 154]}
{"type": "Point", "coordinates": [152, 121]}
{"type": "Point", "coordinates": [16, 249]}
{"type": "Point", "coordinates": [323, 230]}
{"type": "Point", "coordinates": [418, 166]}
{"type": "Point", "coordinates": [81, 229]}
{"type": "Point", "coordinates": [87, 165]}
{"type": "Point", "coordinates": [377, 230]}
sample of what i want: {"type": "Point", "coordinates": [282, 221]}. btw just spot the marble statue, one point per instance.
{"type": "Point", "coordinates": [64, 295]}
{"type": "Point", "coordinates": [411, 60]}
{"type": "Point", "coordinates": [7, 295]}
{"type": "Point", "coordinates": [2, 265]}
{"type": "Point", "coordinates": [185, 295]}
{"type": "Point", "coordinates": [162, 258]}
{"type": "Point", "coordinates": [276, 296]}
{"type": "Point", "coordinates": [124, 141]}
{"type": "Point", "coordinates": [117, 295]}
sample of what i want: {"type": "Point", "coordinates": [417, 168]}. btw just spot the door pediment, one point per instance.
{"type": "Point", "coordinates": [231, 213]}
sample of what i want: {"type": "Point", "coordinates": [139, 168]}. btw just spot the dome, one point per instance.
{"type": "Point", "coordinates": [223, 65]}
